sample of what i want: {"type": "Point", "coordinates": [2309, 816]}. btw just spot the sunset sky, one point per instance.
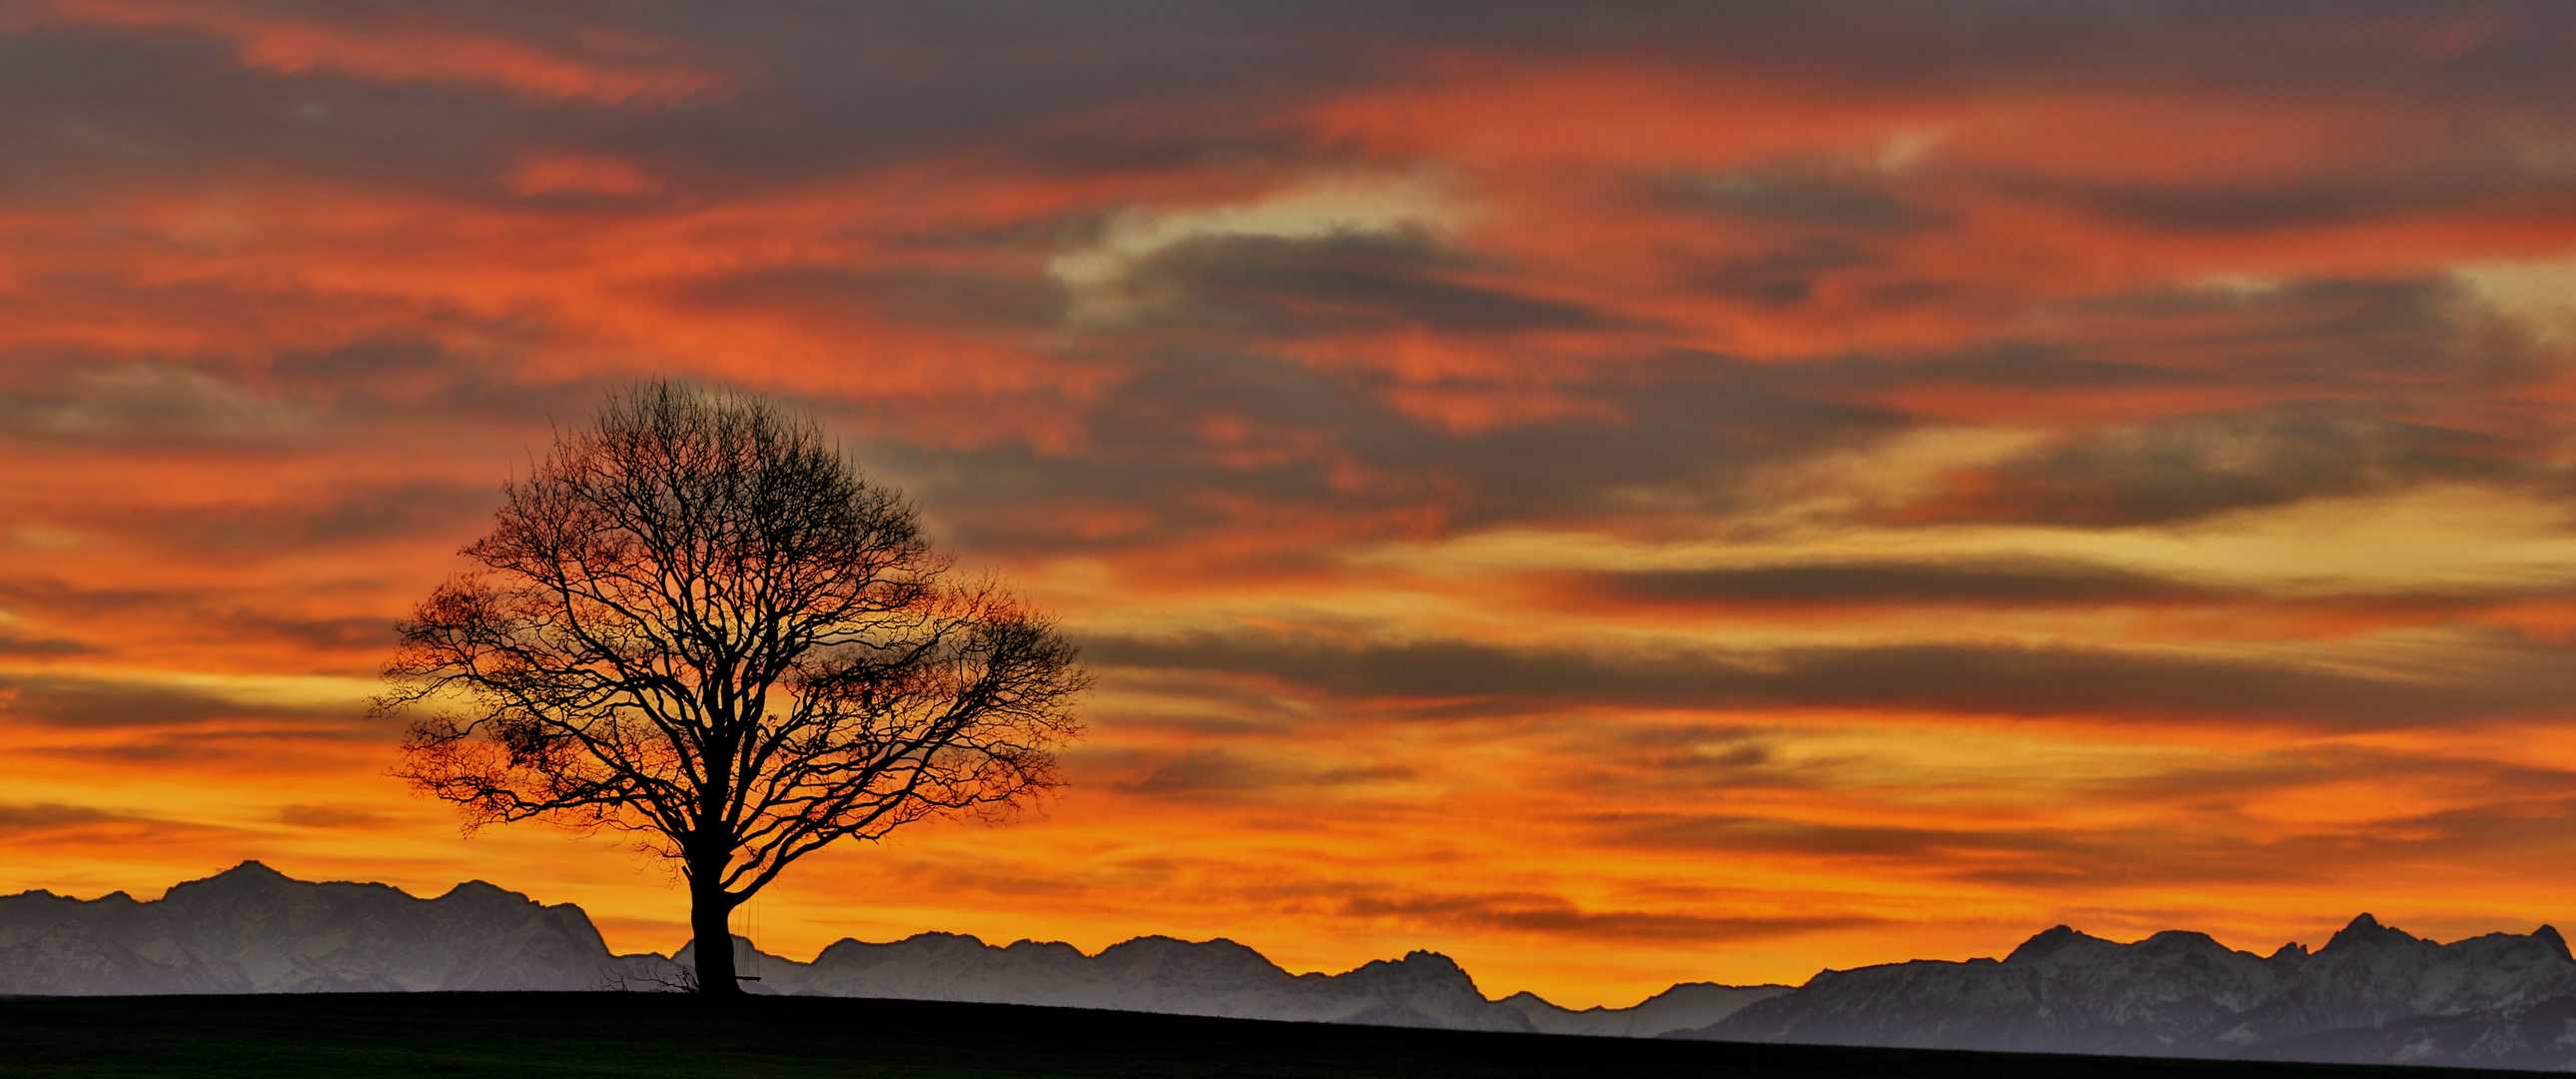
{"type": "Point", "coordinates": [1616, 493]}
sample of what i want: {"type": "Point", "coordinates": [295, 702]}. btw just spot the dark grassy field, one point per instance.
{"type": "Point", "coordinates": [646, 1036]}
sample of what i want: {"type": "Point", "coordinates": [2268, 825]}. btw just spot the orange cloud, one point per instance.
{"type": "Point", "coordinates": [592, 63]}
{"type": "Point", "coordinates": [579, 174]}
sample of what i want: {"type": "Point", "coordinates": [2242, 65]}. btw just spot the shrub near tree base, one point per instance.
{"type": "Point", "coordinates": [697, 623]}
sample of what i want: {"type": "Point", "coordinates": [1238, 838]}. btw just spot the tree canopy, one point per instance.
{"type": "Point", "coordinates": [697, 622]}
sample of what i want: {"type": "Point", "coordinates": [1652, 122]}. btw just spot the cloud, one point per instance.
{"type": "Point", "coordinates": [49, 825]}
{"type": "Point", "coordinates": [2540, 294]}
{"type": "Point", "coordinates": [142, 404]}
{"type": "Point", "coordinates": [11, 645]}
{"type": "Point", "coordinates": [1217, 774]}
{"type": "Point", "coordinates": [530, 52]}
{"type": "Point", "coordinates": [1201, 772]}
{"type": "Point", "coordinates": [2442, 169]}
{"type": "Point", "coordinates": [949, 299]}
{"type": "Point", "coordinates": [337, 518]}
{"type": "Point", "coordinates": [1780, 277]}
{"type": "Point", "coordinates": [2037, 581]}
{"type": "Point", "coordinates": [1270, 459]}
{"type": "Point", "coordinates": [2196, 467]}
{"type": "Point", "coordinates": [1451, 678]}
{"type": "Point", "coordinates": [1556, 916]}
{"type": "Point", "coordinates": [229, 625]}
{"type": "Point", "coordinates": [327, 816]}
{"type": "Point", "coordinates": [579, 174]}
{"type": "Point", "coordinates": [2348, 858]}
{"type": "Point", "coordinates": [2188, 829]}
{"type": "Point", "coordinates": [1830, 841]}
{"type": "Point", "coordinates": [1354, 209]}
{"type": "Point", "coordinates": [1789, 197]}
{"type": "Point", "coordinates": [20, 818]}
{"type": "Point", "coordinates": [1340, 283]}
{"type": "Point", "coordinates": [90, 701]}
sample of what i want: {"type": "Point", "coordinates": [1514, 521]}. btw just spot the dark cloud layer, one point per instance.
{"type": "Point", "coordinates": [2187, 469]}
{"type": "Point", "coordinates": [46, 825]}
{"type": "Point", "coordinates": [81, 702]}
{"type": "Point", "coordinates": [1462, 678]}
{"type": "Point", "coordinates": [1788, 197]}
{"type": "Point", "coordinates": [1331, 441]}
{"type": "Point", "coordinates": [1675, 440]}
{"type": "Point", "coordinates": [1555, 915]}
{"type": "Point", "coordinates": [1894, 583]}
{"type": "Point", "coordinates": [1342, 283]}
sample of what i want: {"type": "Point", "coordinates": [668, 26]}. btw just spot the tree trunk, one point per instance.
{"type": "Point", "coordinates": [708, 908]}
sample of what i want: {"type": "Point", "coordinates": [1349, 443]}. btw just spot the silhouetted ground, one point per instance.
{"type": "Point", "coordinates": [642, 1036]}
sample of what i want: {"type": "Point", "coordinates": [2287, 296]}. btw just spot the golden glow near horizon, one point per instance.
{"type": "Point", "coordinates": [1694, 499]}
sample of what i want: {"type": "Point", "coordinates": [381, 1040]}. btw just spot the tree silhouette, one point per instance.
{"type": "Point", "coordinates": [698, 623]}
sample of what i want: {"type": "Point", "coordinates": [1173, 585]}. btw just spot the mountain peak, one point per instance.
{"type": "Point", "coordinates": [483, 890]}
{"type": "Point", "coordinates": [251, 874]}
{"type": "Point", "coordinates": [2366, 930]}
{"type": "Point", "coordinates": [938, 937]}
{"type": "Point", "coordinates": [2045, 944]}
{"type": "Point", "coordinates": [253, 929]}
{"type": "Point", "coordinates": [2549, 935]}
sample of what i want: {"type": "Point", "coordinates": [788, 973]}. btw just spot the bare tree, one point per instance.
{"type": "Point", "coordinates": [697, 623]}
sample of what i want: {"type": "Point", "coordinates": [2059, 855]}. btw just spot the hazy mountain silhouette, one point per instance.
{"type": "Point", "coordinates": [2373, 993]}
{"type": "Point", "coordinates": [1217, 977]}
{"type": "Point", "coordinates": [251, 929]}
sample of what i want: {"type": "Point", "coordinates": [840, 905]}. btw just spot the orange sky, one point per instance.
{"type": "Point", "coordinates": [1671, 492]}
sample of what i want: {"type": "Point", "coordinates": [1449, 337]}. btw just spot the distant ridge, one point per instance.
{"type": "Point", "coordinates": [1217, 977]}
{"type": "Point", "coordinates": [251, 929]}
{"type": "Point", "coordinates": [2372, 994]}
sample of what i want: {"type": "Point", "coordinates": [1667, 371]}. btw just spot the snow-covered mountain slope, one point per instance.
{"type": "Point", "coordinates": [2372, 993]}
{"type": "Point", "coordinates": [1147, 974]}
{"type": "Point", "coordinates": [1687, 1006]}
{"type": "Point", "coordinates": [1217, 977]}
{"type": "Point", "coordinates": [251, 929]}
{"type": "Point", "coordinates": [2183, 994]}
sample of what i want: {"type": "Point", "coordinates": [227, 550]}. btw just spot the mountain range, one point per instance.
{"type": "Point", "coordinates": [251, 929]}
{"type": "Point", "coordinates": [2373, 993]}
